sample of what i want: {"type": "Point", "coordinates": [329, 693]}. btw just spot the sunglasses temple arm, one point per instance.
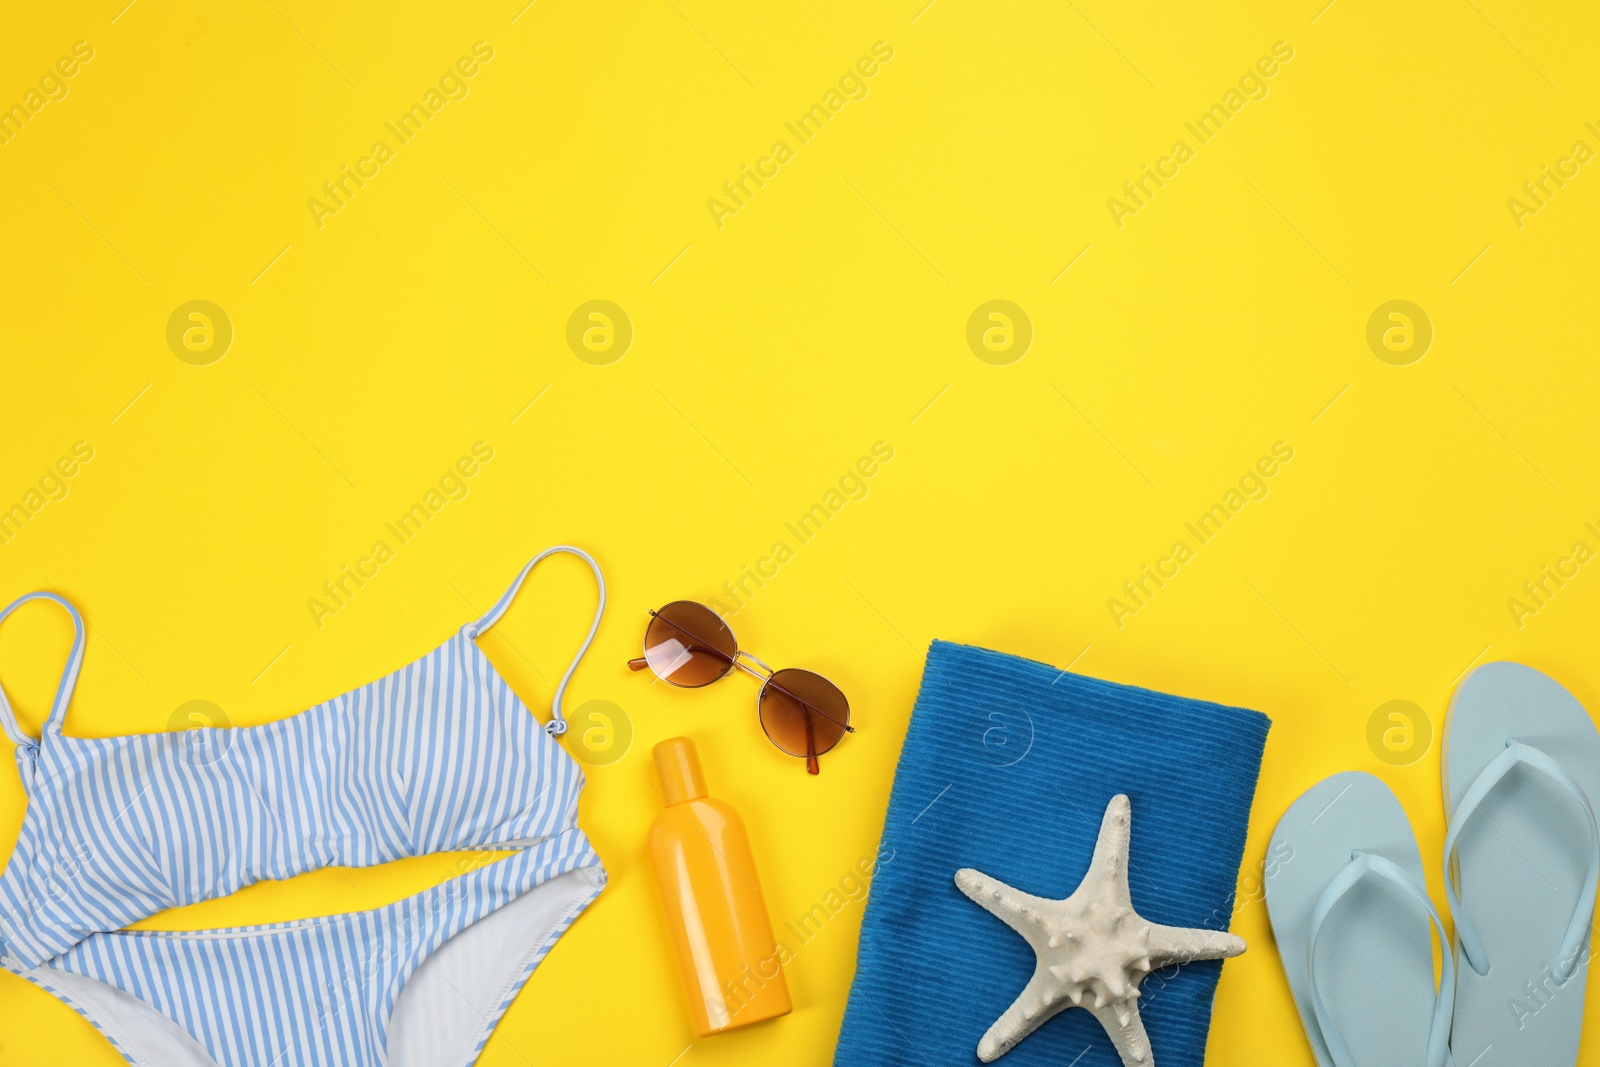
{"type": "Point", "coordinates": [639, 663]}
{"type": "Point", "coordinates": [717, 652]}
{"type": "Point", "coordinates": [812, 767]}
{"type": "Point", "coordinates": [807, 704]}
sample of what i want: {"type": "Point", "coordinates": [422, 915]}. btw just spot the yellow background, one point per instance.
{"type": "Point", "coordinates": [827, 314]}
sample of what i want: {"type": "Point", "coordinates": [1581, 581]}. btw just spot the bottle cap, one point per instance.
{"type": "Point", "coordinates": [678, 766]}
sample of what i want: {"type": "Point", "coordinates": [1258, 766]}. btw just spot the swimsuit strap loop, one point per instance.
{"type": "Point", "coordinates": [557, 724]}
{"type": "Point", "coordinates": [69, 675]}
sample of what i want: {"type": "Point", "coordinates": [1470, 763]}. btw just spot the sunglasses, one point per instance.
{"type": "Point", "coordinates": [688, 645]}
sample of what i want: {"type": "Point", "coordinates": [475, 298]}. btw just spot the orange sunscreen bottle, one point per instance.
{"type": "Point", "coordinates": [716, 915]}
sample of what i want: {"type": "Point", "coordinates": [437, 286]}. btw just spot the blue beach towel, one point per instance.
{"type": "Point", "coordinates": [993, 736]}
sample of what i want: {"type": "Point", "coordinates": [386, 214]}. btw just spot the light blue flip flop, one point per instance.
{"type": "Point", "coordinates": [1351, 915]}
{"type": "Point", "coordinates": [1522, 860]}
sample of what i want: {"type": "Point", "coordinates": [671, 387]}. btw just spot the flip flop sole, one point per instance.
{"type": "Point", "coordinates": [1520, 864]}
{"type": "Point", "coordinates": [1375, 952]}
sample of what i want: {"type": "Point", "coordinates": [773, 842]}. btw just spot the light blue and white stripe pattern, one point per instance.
{"type": "Point", "coordinates": [438, 756]}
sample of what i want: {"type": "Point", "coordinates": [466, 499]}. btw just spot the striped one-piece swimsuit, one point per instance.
{"type": "Point", "coordinates": [439, 756]}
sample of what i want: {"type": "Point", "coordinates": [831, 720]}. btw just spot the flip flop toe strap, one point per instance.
{"type": "Point", "coordinates": [1573, 944]}
{"type": "Point", "coordinates": [1363, 865]}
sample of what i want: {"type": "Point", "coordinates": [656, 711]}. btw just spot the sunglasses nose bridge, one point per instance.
{"type": "Point", "coordinates": [739, 657]}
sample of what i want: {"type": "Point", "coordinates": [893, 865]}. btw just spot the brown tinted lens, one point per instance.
{"type": "Point", "coordinates": [803, 713]}
{"type": "Point", "coordinates": [687, 644]}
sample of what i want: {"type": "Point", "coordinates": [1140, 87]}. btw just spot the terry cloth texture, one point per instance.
{"type": "Point", "coordinates": [1008, 766]}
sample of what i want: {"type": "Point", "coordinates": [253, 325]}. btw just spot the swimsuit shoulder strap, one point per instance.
{"type": "Point", "coordinates": [557, 724]}
{"type": "Point", "coordinates": [69, 674]}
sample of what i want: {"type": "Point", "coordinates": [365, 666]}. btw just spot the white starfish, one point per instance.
{"type": "Point", "coordinates": [1093, 948]}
